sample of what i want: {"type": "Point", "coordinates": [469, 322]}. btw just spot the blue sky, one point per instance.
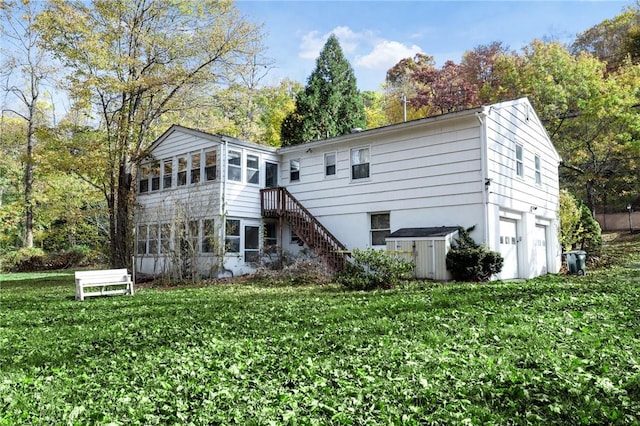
{"type": "Point", "coordinates": [375, 35]}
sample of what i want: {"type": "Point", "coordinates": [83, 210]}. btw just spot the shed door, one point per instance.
{"type": "Point", "coordinates": [509, 248]}
{"type": "Point", "coordinates": [540, 249]}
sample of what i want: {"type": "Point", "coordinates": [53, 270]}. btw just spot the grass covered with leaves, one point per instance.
{"type": "Point", "coordinates": [554, 350]}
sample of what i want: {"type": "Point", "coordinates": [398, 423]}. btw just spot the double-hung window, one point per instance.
{"type": "Point", "coordinates": [143, 185]}
{"type": "Point", "coordinates": [538, 169]}
{"type": "Point", "coordinates": [234, 166]}
{"type": "Point", "coordinates": [519, 161]}
{"type": "Point", "coordinates": [359, 163]}
{"type": "Point", "coordinates": [380, 228]}
{"type": "Point", "coordinates": [195, 168]}
{"type": "Point", "coordinates": [253, 175]}
{"type": "Point", "coordinates": [232, 236]}
{"type": "Point", "coordinates": [294, 170]}
{"type": "Point", "coordinates": [208, 236]}
{"type": "Point", "coordinates": [210, 163]}
{"type": "Point", "coordinates": [155, 175]}
{"type": "Point", "coordinates": [182, 171]}
{"type": "Point", "coordinates": [142, 239]}
{"type": "Point", "coordinates": [330, 164]}
{"type": "Point", "coordinates": [167, 173]}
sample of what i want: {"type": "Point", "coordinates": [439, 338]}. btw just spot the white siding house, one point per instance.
{"type": "Point", "coordinates": [493, 168]}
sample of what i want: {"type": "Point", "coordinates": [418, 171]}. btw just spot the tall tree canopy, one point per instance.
{"type": "Point", "coordinates": [130, 62]}
{"type": "Point", "coordinates": [330, 104]}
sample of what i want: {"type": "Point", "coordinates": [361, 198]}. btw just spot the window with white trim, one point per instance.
{"type": "Point", "coordinates": [154, 172]}
{"type": "Point", "coordinates": [253, 173]}
{"type": "Point", "coordinates": [142, 239]}
{"type": "Point", "coordinates": [232, 236]}
{"type": "Point", "coordinates": [330, 164]}
{"type": "Point", "coordinates": [210, 165]}
{"type": "Point", "coordinates": [165, 238]}
{"type": "Point", "coordinates": [234, 166]}
{"type": "Point", "coordinates": [380, 228]}
{"type": "Point", "coordinates": [195, 168]}
{"type": "Point", "coordinates": [294, 170]}
{"type": "Point", "coordinates": [167, 173]}
{"type": "Point", "coordinates": [153, 239]}
{"type": "Point", "coordinates": [182, 171]}
{"type": "Point", "coordinates": [143, 184]}
{"type": "Point", "coordinates": [538, 170]}
{"type": "Point", "coordinates": [359, 163]}
{"type": "Point", "coordinates": [519, 160]}
{"type": "Point", "coordinates": [208, 236]}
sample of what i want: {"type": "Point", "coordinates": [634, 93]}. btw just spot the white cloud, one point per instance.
{"type": "Point", "coordinates": [363, 49]}
{"type": "Point", "coordinates": [350, 41]}
{"type": "Point", "coordinates": [385, 54]}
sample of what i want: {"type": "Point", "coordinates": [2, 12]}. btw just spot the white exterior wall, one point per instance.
{"type": "Point", "coordinates": [219, 199]}
{"type": "Point", "coordinates": [428, 173]}
{"type": "Point", "coordinates": [519, 197]}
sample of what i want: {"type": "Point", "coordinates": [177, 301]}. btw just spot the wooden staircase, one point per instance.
{"type": "Point", "coordinates": [279, 203]}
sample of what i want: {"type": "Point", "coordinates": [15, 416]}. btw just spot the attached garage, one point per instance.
{"type": "Point", "coordinates": [426, 247]}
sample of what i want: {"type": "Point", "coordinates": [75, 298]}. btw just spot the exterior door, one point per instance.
{"type": "Point", "coordinates": [509, 248]}
{"type": "Point", "coordinates": [251, 243]}
{"type": "Point", "coordinates": [271, 175]}
{"type": "Point", "coordinates": [540, 249]}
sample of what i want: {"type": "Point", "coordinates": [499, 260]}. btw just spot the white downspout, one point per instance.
{"type": "Point", "coordinates": [484, 168]}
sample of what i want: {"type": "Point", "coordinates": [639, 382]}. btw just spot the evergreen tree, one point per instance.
{"type": "Point", "coordinates": [330, 104]}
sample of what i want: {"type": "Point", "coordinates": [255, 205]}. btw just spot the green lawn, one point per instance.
{"type": "Point", "coordinates": [555, 350]}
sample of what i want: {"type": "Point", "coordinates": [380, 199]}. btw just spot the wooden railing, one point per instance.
{"type": "Point", "coordinates": [278, 202]}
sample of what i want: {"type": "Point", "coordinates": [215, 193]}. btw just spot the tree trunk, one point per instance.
{"type": "Point", "coordinates": [121, 232]}
{"type": "Point", "coordinates": [28, 187]}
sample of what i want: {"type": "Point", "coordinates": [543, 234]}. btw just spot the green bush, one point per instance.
{"type": "Point", "coordinates": [35, 259]}
{"type": "Point", "coordinates": [372, 269]}
{"type": "Point", "coordinates": [469, 261]}
{"type": "Point", "coordinates": [24, 260]}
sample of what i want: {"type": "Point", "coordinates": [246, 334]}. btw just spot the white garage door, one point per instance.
{"type": "Point", "coordinates": [540, 243]}
{"type": "Point", "coordinates": [509, 248]}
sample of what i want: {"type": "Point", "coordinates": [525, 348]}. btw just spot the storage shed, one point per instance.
{"type": "Point", "coordinates": [427, 247]}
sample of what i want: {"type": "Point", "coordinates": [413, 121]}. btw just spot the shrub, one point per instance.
{"type": "Point", "coordinates": [295, 271]}
{"type": "Point", "coordinates": [371, 269]}
{"type": "Point", "coordinates": [24, 260]}
{"type": "Point", "coordinates": [469, 261]}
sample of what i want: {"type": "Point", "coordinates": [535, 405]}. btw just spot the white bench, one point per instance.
{"type": "Point", "coordinates": [103, 279]}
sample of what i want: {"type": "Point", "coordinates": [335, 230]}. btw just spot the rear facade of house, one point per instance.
{"type": "Point", "coordinates": [492, 168]}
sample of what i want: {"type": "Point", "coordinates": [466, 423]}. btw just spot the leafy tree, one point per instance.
{"type": "Point", "coordinates": [330, 104]}
{"type": "Point", "coordinates": [374, 109]}
{"type": "Point", "coordinates": [131, 62]}
{"type": "Point", "coordinates": [25, 69]}
{"type": "Point", "coordinates": [401, 86]}
{"type": "Point", "coordinates": [569, 215]}
{"type": "Point", "coordinates": [611, 40]}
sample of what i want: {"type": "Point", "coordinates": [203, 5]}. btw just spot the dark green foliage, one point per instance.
{"type": "Point", "coordinates": [589, 234]}
{"type": "Point", "coordinates": [330, 104]}
{"type": "Point", "coordinates": [374, 269]}
{"type": "Point", "coordinates": [28, 260]}
{"type": "Point", "coordinates": [469, 261]}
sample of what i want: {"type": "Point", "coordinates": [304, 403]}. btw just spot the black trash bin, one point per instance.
{"type": "Point", "coordinates": [577, 262]}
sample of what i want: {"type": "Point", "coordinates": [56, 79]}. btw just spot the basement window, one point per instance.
{"type": "Point", "coordinates": [380, 228]}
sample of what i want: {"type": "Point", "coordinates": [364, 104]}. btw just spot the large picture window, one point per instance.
{"type": "Point", "coordinates": [359, 163]}
{"type": "Point", "coordinates": [380, 228]}
{"type": "Point", "coordinates": [234, 166]}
